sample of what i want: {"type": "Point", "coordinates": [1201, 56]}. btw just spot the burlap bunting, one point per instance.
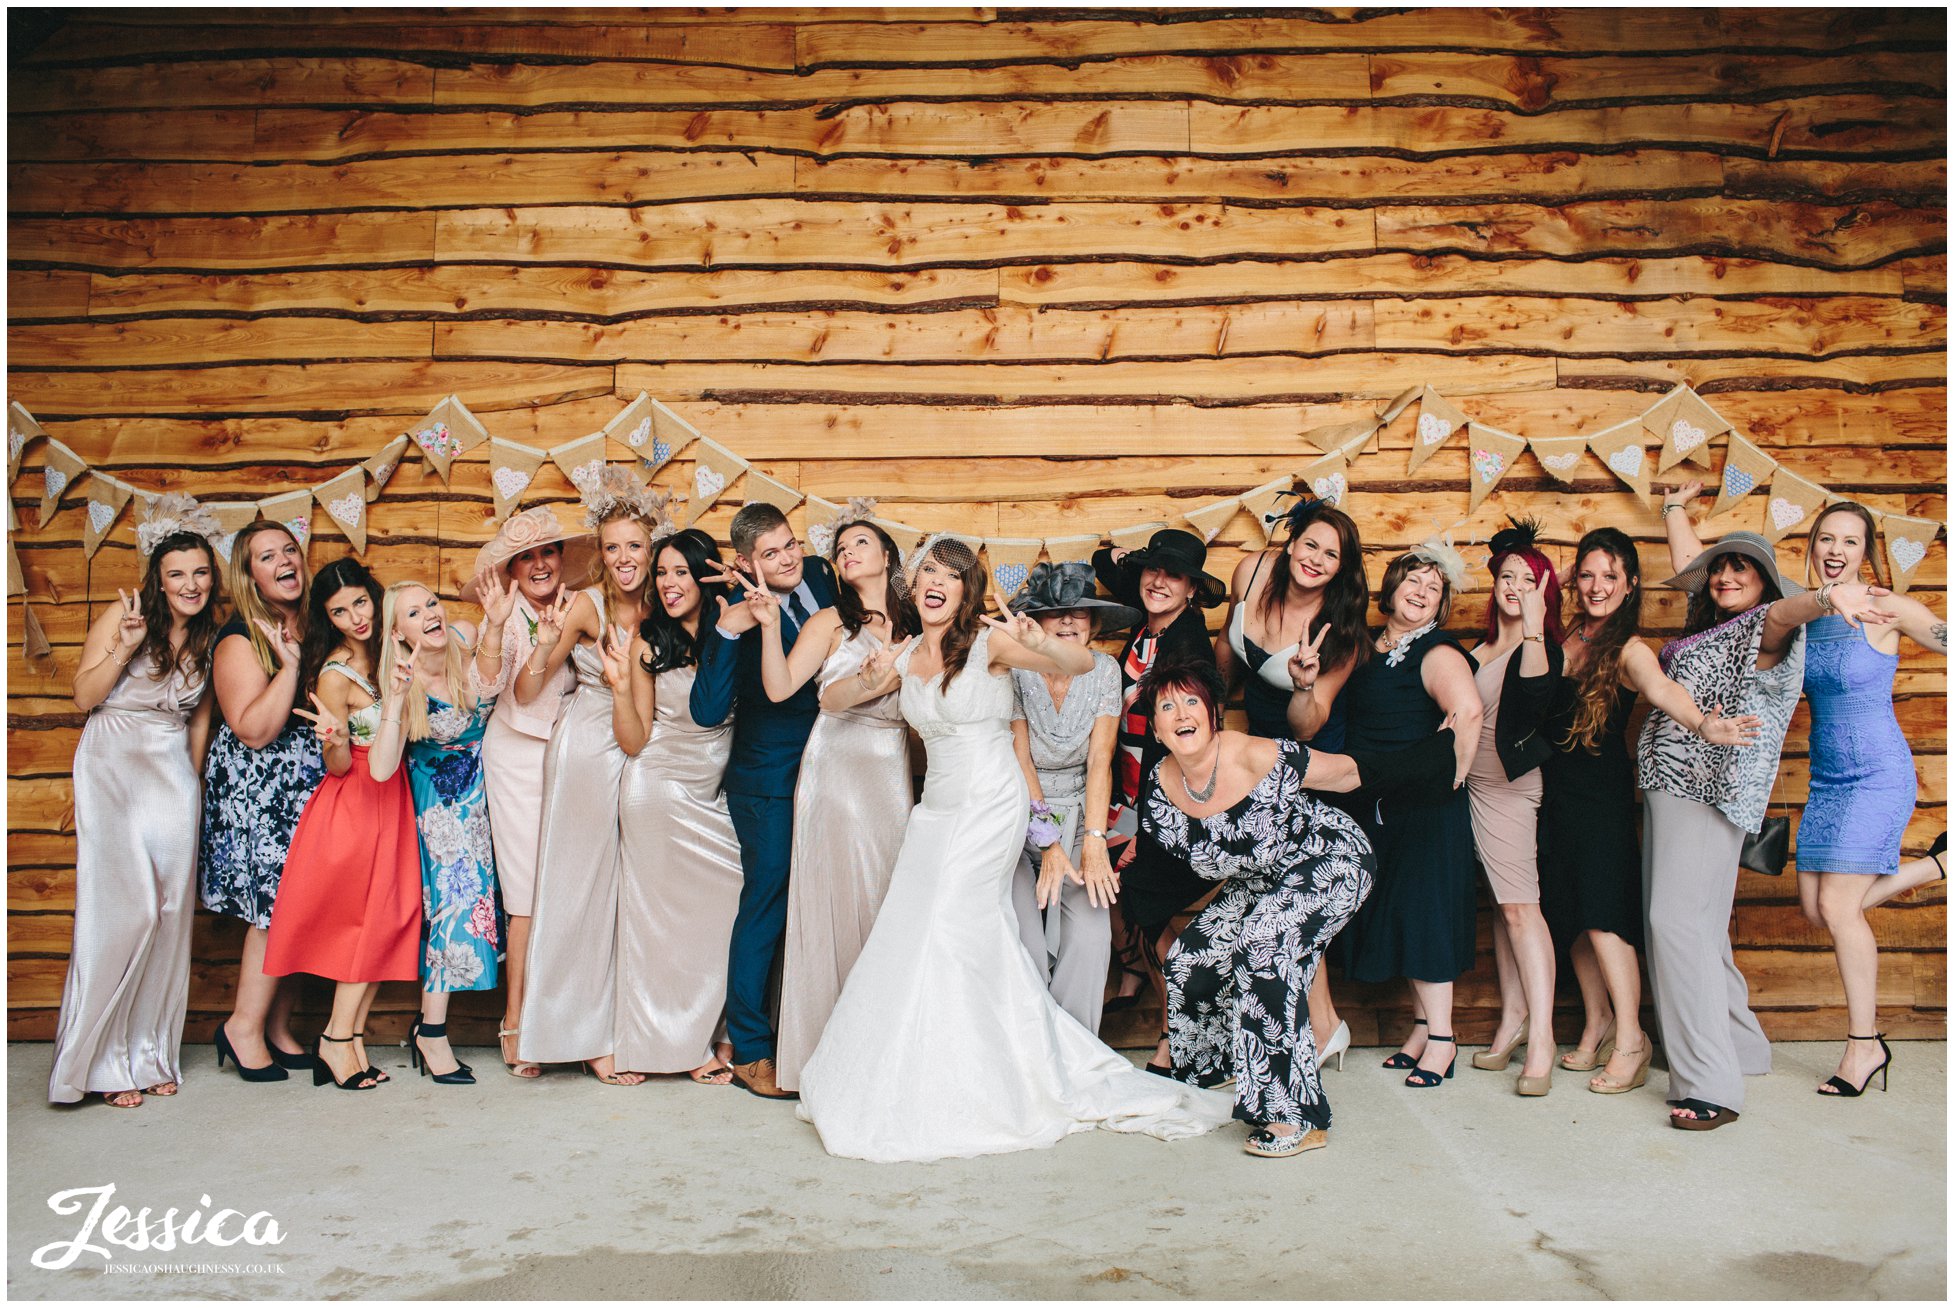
{"type": "Point", "coordinates": [294, 510]}
{"type": "Point", "coordinates": [1208, 521]}
{"type": "Point", "coordinates": [1907, 540]}
{"type": "Point", "coordinates": [1792, 500]}
{"type": "Point", "coordinates": [1437, 420]}
{"type": "Point", "coordinates": [512, 471]}
{"type": "Point", "coordinates": [631, 427]}
{"type": "Point", "coordinates": [1559, 455]}
{"type": "Point", "coordinates": [1684, 423]}
{"type": "Point", "coordinates": [382, 466]}
{"type": "Point", "coordinates": [762, 489]}
{"type": "Point", "coordinates": [821, 518]}
{"type": "Point", "coordinates": [61, 468]}
{"type": "Point", "coordinates": [669, 435]}
{"type": "Point", "coordinates": [1745, 468]}
{"type": "Point", "coordinates": [448, 431]}
{"type": "Point", "coordinates": [1491, 454]}
{"type": "Point", "coordinates": [1620, 448]}
{"type": "Point", "coordinates": [714, 469]}
{"type": "Point", "coordinates": [233, 516]}
{"type": "Point", "coordinates": [581, 461]}
{"type": "Point", "coordinates": [37, 647]}
{"type": "Point", "coordinates": [16, 579]}
{"type": "Point", "coordinates": [1136, 536]}
{"type": "Point", "coordinates": [906, 537]}
{"type": "Point", "coordinates": [1262, 502]}
{"type": "Point", "coordinates": [1010, 559]}
{"type": "Point", "coordinates": [106, 496]}
{"type": "Point", "coordinates": [1328, 478]}
{"type": "Point", "coordinates": [1339, 437]}
{"type": "Point", "coordinates": [344, 500]}
{"type": "Point", "coordinates": [21, 428]}
{"type": "Point", "coordinates": [1073, 549]}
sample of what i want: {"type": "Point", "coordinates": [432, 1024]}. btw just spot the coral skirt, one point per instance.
{"type": "Point", "coordinates": [349, 904]}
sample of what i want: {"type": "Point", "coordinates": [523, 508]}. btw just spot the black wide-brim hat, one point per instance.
{"type": "Point", "coordinates": [1183, 554]}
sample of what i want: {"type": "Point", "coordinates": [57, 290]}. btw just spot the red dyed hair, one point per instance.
{"type": "Point", "coordinates": [1544, 576]}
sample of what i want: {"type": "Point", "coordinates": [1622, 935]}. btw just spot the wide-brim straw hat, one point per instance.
{"type": "Point", "coordinates": [1183, 554]}
{"type": "Point", "coordinates": [1062, 587]}
{"type": "Point", "coordinates": [526, 531]}
{"type": "Point", "coordinates": [1747, 543]}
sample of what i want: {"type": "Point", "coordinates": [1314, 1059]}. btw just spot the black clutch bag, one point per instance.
{"type": "Point", "coordinates": [1766, 851]}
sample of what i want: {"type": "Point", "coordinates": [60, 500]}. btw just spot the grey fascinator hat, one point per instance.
{"type": "Point", "coordinates": [1056, 587]}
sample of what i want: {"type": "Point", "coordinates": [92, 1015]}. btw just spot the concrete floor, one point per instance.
{"type": "Point", "coordinates": [569, 1189]}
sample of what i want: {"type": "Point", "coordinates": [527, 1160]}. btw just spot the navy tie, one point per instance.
{"type": "Point", "coordinates": [795, 609]}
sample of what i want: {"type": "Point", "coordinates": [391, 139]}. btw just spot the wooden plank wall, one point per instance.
{"type": "Point", "coordinates": [1014, 273]}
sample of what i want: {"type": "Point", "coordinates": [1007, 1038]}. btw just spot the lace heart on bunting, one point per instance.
{"type": "Point", "coordinates": [1432, 429]}
{"type": "Point", "coordinates": [1010, 576]}
{"type": "Point", "coordinates": [1626, 461]}
{"type": "Point", "coordinates": [1907, 552]}
{"type": "Point", "coordinates": [1786, 514]}
{"type": "Point", "coordinates": [1738, 483]}
{"type": "Point", "coordinates": [347, 508]}
{"type": "Point", "coordinates": [511, 482]}
{"type": "Point", "coordinates": [706, 483]}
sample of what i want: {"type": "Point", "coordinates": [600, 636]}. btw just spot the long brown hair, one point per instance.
{"type": "Point", "coordinates": [1347, 595]}
{"type": "Point", "coordinates": [252, 607]}
{"type": "Point", "coordinates": [199, 631]}
{"type": "Point", "coordinates": [1865, 516]}
{"type": "Point", "coordinates": [964, 623]}
{"type": "Point", "coordinates": [896, 607]}
{"type": "Point", "coordinates": [1703, 612]}
{"type": "Point", "coordinates": [321, 637]}
{"type": "Point", "coordinates": [1598, 680]}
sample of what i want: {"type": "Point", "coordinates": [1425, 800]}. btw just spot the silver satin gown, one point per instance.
{"type": "Point", "coordinates": [679, 888]}
{"type": "Point", "coordinates": [851, 808]}
{"type": "Point", "coordinates": [138, 805]}
{"type": "Point", "coordinates": [567, 1007]}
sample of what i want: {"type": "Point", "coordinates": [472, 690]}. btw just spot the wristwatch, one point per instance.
{"type": "Point", "coordinates": [1091, 833]}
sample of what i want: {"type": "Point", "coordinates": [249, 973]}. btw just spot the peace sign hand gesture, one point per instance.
{"type": "Point", "coordinates": [615, 650]}
{"type": "Point", "coordinates": [403, 674]}
{"type": "Point", "coordinates": [1020, 627]}
{"type": "Point", "coordinates": [282, 643]}
{"type": "Point", "coordinates": [764, 605]}
{"type": "Point", "coordinates": [880, 665]}
{"type": "Point", "coordinates": [129, 633]}
{"type": "Point", "coordinates": [551, 621]}
{"type": "Point", "coordinates": [1306, 664]}
{"type": "Point", "coordinates": [325, 723]}
{"type": "Point", "coordinates": [497, 603]}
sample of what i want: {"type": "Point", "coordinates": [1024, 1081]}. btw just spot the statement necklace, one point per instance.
{"type": "Point", "coordinates": [1205, 793]}
{"type": "Point", "coordinates": [1404, 642]}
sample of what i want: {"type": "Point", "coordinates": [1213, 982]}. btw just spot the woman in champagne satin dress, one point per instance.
{"type": "Point", "coordinates": [143, 676]}
{"type": "Point", "coordinates": [679, 882]}
{"type": "Point", "coordinates": [855, 790]}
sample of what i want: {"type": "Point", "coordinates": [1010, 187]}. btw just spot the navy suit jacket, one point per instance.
{"type": "Point", "coordinates": [767, 737]}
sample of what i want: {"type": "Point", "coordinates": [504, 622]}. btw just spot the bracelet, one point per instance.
{"type": "Point", "coordinates": [1302, 690]}
{"type": "Point", "coordinates": [1824, 597]}
{"type": "Point", "coordinates": [1536, 636]}
{"type": "Point", "coordinates": [1092, 833]}
{"type": "Point", "coordinates": [529, 671]}
{"type": "Point", "coordinates": [1667, 507]}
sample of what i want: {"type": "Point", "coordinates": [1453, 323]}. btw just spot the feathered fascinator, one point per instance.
{"type": "Point", "coordinates": [170, 513]}
{"type": "Point", "coordinates": [1441, 553]}
{"type": "Point", "coordinates": [617, 491]}
{"type": "Point", "coordinates": [1522, 537]}
{"type": "Point", "coordinates": [1300, 514]}
{"type": "Point", "coordinates": [860, 508]}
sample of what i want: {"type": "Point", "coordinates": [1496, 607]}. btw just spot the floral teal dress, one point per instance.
{"type": "Point", "coordinates": [458, 890]}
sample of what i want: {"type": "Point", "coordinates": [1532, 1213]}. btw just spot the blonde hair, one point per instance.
{"type": "Point", "coordinates": [614, 599]}
{"type": "Point", "coordinates": [454, 666]}
{"type": "Point", "coordinates": [252, 607]}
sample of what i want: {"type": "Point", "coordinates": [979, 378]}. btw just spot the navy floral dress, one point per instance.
{"type": "Point", "coordinates": [1295, 870]}
{"type": "Point", "coordinates": [458, 890]}
{"type": "Point", "coordinates": [252, 802]}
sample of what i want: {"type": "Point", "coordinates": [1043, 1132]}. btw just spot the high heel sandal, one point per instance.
{"type": "Point", "coordinates": [1495, 1060]}
{"type": "Point", "coordinates": [378, 1075]}
{"type": "Point", "coordinates": [1938, 852]}
{"type": "Point", "coordinates": [1129, 965]}
{"type": "Point", "coordinates": [1401, 1060]}
{"type": "Point", "coordinates": [463, 1073]}
{"type": "Point", "coordinates": [519, 1069]}
{"type": "Point", "coordinates": [1839, 1088]}
{"type": "Point", "coordinates": [1156, 1068]}
{"type": "Point", "coordinates": [1419, 1079]}
{"type": "Point", "coordinates": [269, 1072]}
{"type": "Point", "coordinates": [1338, 1043]}
{"type": "Point", "coordinates": [1579, 1059]}
{"type": "Point", "coordinates": [1606, 1085]}
{"type": "Point", "coordinates": [360, 1078]}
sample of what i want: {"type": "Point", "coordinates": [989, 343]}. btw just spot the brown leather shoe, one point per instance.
{"type": "Point", "coordinates": [758, 1078]}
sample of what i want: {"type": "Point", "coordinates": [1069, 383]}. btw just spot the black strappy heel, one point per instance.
{"type": "Point", "coordinates": [463, 1073]}
{"type": "Point", "coordinates": [1399, 1061]}
{"type": "Point", "coordinates": [360, 1078]}
{"type": "Point", "coordinates": [1839, 1088]}
{"type": "Point", "coordinates": [1419, 1079]}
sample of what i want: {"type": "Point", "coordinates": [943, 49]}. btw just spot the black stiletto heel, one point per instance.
{"type": "Point", "coordinates": [269, 1072]}
{"type": "Point", "coordinates": [299, 1062]}
{"type": "Point", "coordinates": [358, 1079]}
{"type": "Point", "coordinates": [1399, 1061]}
{"type": "Point", "coordinates": [1420, 1079]}
{"type": "Point", "coordinates": [1839, 1088]}
{"type": "Point", "coordinates": [463, 1073]}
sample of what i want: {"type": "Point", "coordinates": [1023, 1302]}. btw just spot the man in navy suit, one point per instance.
{"type": "Point", "coordinates": [766, 761]}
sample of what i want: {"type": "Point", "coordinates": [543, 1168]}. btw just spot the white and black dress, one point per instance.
{"type": "Point", "coordinates": [1238, 977]}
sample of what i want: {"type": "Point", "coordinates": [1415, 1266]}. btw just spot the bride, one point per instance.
{"type": "Point", "coordinates": [944, 1043]}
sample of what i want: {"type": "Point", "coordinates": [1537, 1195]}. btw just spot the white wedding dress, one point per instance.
{"type": "Point", "coordinates": [944, 1043]}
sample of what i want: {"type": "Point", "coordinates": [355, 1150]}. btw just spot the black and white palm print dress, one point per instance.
{"type": "Point", "coordinates": [1238, 977]}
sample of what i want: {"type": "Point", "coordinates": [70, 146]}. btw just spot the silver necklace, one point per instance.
{"type": "Point", "coordinates": [1206, 792]}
